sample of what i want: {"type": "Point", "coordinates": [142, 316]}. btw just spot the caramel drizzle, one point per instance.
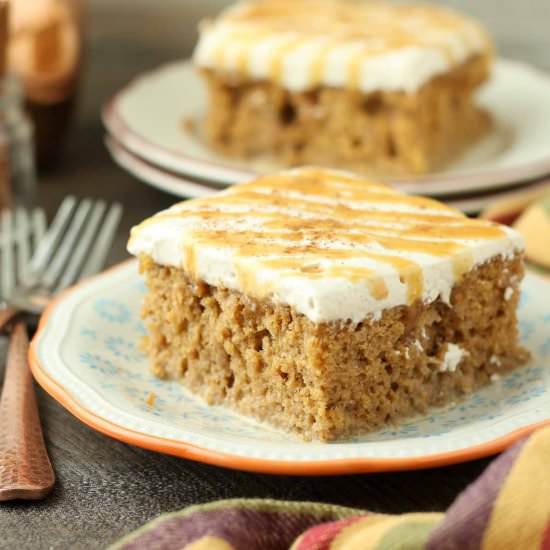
{"type": "Point", "coordinates": [283, 258]}
{"type": "Point", "coordinates": [251, 196]}
{"type": "Point", "coordinates": [421, 225]}
{"type": "Point", "coordinates": [353, 76]}
{"type": "Point", "coordinates": [376, 284]}
{"type": "Point", "coordinates": [246, 44]}
{"type": "Point", "coordinates": [317, 70]}
{"type": "Point", "coordinates": [295, 245]}
{"type": "Point", "coordinates": [277, 62]}
{"type": "Point", "coordinates": [382, 28]}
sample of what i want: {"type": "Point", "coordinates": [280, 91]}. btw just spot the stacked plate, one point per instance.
{"type": "Point", "coordinates": [153, 132]}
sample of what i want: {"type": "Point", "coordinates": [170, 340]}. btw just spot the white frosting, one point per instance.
{"type": "Point", "coordinates": [508, 293]}
{"type": "Point", "coordinates": [168, 236]}
{"type": "Point", "coordinates": [383, 45]}
{"type": "Point", "coordinates": [452, 358]}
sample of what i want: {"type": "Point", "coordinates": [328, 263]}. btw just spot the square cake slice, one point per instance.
{"type": "Point", "coordinates": [325, 304]}
{"type": "Point", "coordinates": [371, 86]}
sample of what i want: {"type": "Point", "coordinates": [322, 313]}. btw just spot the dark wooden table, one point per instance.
{"type": "Point", "coordinates": [106, 488]}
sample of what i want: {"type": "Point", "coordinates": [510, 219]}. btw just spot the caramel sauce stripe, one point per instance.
{"type": "Point", "coordinates": [246, 43]}
{"type": "Point", "coordinates": [377, 204]}
{"type": "Point", "coordinates": [356, 199]}
{"type": "Point", "coordinates": [314, 184]}
{"type": "Point", "coordinates": [272, 256]}
{"type": "Point", "coordinates": [276, 70]}
{"type": "Point", "coordinates": [436, 246]}
{"type": "Point", "coordinates": [305, 187]}
{"type": "Point", "coordinates": [376, 284]}
{"type": "Point", "coordinates": [251, 243]}
{"type": "Point", "coordinates": [286, 213]}
{"type": "Point", "coordinates": [408, 271]}
{"type": "Point", "coordinates": [420, 226]}
{"type": "Point", "coordinates": [317, 70]}
{"type": "Point", "coordinates": [266, 252]}
{"type": "Point", "coordinates": [380, 29]}
{"type": "Point", "coordinates": [303, 226]}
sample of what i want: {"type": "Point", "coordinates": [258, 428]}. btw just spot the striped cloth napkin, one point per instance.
{"type": "Point", "coordinates": [506, 508]}
{"type": "Point", "coordinates": [529, 213]}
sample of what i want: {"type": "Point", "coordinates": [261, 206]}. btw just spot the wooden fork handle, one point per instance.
{"type": "Point", "coordinates": [6, 315]}
{"type": "Point", "coordinates": [25, 469]}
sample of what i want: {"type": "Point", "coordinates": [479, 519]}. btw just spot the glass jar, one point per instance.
{"type": "Point", "coordinates": [45, 51]}
{"type": "Point", "coordinates": [17, 175]}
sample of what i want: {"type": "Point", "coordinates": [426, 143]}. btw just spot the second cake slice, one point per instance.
{"type": "Point", "coordinates": [376, 87]}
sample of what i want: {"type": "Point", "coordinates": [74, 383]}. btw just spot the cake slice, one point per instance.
{"type": "Point", "coordinates": [325, 304]}
{"type": "Point", "coordinates": [376, 87]}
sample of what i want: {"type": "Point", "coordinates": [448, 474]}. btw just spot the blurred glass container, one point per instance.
{"type": "Point", "coordinates": [45, 51]}
{"type": "Point", "coordinates": [17, 177]}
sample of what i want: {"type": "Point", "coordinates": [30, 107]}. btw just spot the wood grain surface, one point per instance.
{"type": "Point", "coordinates": [105, 488]}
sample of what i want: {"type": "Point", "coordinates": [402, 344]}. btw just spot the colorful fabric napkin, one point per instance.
{"type": "Point", "coordinates": [534, 225]}
{"type": "Point", "coordinates": [529, 213]}
{"type": "Point", "coordinates": [506, 508]}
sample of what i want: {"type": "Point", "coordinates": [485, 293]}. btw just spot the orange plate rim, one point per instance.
{"type": "Point", "coordinates": [268, 466]}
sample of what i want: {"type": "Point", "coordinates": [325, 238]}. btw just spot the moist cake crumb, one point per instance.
{"type": "Point", "coordinates": [328, 381]}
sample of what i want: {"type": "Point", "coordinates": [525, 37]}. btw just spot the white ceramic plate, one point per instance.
{"type": "Point", "coordinates": [147, 118]}
{"type": "Point", "coordinates": [175, 184]}
{"type": "Point", "coordinates": [85, 354]}
{"type": "Point", "coordinates": [183, 187]}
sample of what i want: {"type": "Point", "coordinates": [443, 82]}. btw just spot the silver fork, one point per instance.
{"type": "Point", "coordinates": [74, 247]}
{"type": "Point", "coordinates": [20, 232]}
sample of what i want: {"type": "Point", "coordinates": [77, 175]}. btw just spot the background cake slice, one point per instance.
{"type": "Point", "coordinates": [325, 304]}
{"type": "Point", "coordinates": [376, 87]}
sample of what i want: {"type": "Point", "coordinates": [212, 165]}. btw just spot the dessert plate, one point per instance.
{"type": "Point", "coordinates": [85, 354]}
{"type": "Point", "coordinates": [159, 131]}
{"type": "Point", "coordinates": [175, 184]}
{"type": "Point", "coordinates": [183, 187]}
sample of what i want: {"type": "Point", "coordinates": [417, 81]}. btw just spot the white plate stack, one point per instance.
{"type": "Point", "coordinates": [152, 132]}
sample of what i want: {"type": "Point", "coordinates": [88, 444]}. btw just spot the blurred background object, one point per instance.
{"type": "Point", "coordinates": [123, 46]}
{"type": "Point", "coordinates": [45, 52]}
{"type": "Point", "coordinates": [16, 135]}
{"type": "Point", "coordinates": [17, 175]}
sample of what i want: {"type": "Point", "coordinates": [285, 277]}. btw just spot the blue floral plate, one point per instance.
{"type": "Point", "coordinates": [86, 355]}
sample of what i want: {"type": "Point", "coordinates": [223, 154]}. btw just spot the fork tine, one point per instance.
{"type": "Point", "coordinates": [47, 245]}
{"type": "Point", "coordinates": [6, 243]}
{"type": "Point", "coordinates": [103, 243]}
{"type": "Point", "coordinates": [39, 225]}
{"type": "Point", "coordinates": [79, 256]}
{"type": "Point", "coordinates": [59, 261]}
{"type": "Point", "coordinates": [22, 232]}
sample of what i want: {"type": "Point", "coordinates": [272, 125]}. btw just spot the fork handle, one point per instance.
{"type": "Point", "coordinates": [25, 469]}
{"type": "Point", "coordinates": [6, 315]}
